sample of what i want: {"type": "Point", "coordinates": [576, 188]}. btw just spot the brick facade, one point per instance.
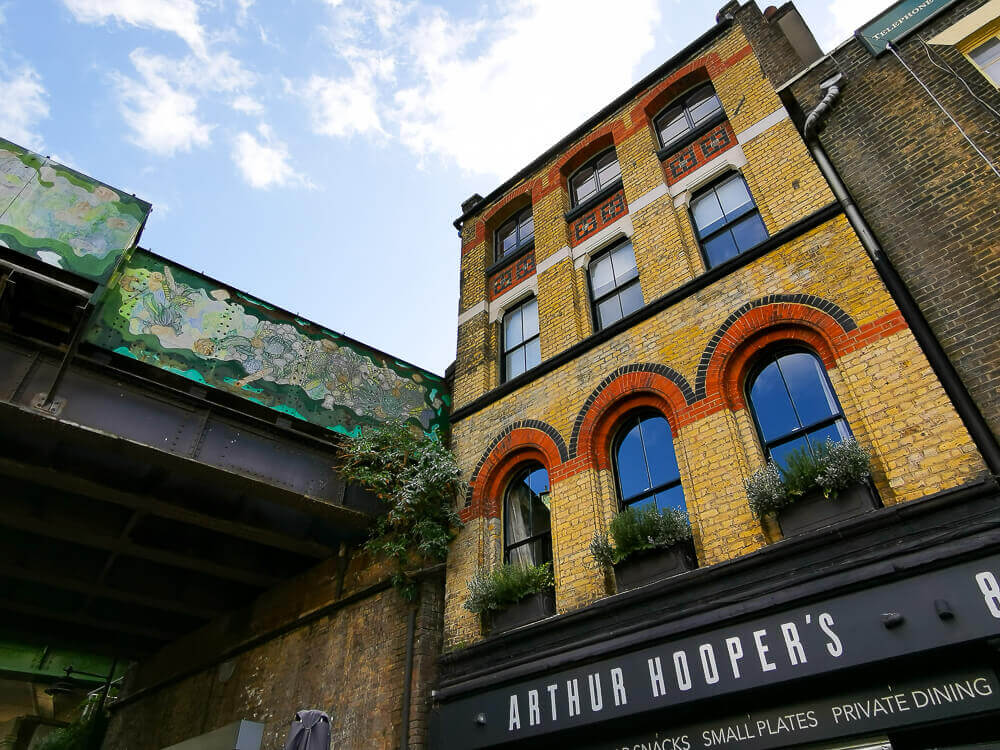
{"type": "Point", "coordinates": [300, 646]}
{"type": "Point", "coordinates": [686, 353]}
{"type": "Point", "coordinates": [932, 202]}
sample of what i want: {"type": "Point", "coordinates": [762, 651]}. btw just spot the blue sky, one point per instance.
{"type": "Point", "coordinates": [315, 152]}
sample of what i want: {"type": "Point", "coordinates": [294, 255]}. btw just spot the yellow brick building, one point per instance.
{"type": "Point", "coordinates": [794, 279]}
{"type": "Point", "coordinates": [889, 394]}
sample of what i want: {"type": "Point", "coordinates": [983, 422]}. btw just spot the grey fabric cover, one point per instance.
{"type": "Point", "coordinates": [310, 731]}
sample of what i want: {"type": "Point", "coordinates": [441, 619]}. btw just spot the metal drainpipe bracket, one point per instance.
{"type": "Point", "coordinates": [835, 80]}
{"type": "Point", "coordinates": [54, 407]}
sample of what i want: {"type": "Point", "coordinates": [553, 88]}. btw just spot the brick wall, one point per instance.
{"type": "Point", "coordinates": [818, 288]}
{"type": "Point", "coordinates": [259, 666]}
{"type": "Point", "coordinates": [932, 202]}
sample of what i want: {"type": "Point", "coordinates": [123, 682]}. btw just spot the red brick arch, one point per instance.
{"type": "Point", "coordinates": [725, 364]}
{"type": "Point", "coordinates": [654, 387]}
{"type": "Point", "coordinates": [517, 445]}
{"type": "Point", "coordinates": [512, 202]}
{"type": "Point", "coordinates": [670, 88]}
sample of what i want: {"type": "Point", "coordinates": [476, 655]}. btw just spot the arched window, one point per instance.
{"type": "Point", "coordinates": [515, 233]}
{"type": "Point", "coordinates": [596, 175]}
{"type": "Point", "coordinates": [646, 465]}
{"type": "Point", "coordinates": [793, 404]}
{"type": "Point", "coordinates": [527, 531]}
{"type": "Point", "coordinates": [687, 115]}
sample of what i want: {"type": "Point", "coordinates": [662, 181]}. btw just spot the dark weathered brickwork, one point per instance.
{"type": "Point", "coordinates": [933, 203]}
{"type": "Point", "coordinates": [294, 648]}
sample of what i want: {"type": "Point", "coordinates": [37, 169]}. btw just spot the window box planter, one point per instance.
{"type": "Point", "coordinates": [814, 511]}
{"type": "Point", "coordinates": [652, 565]}
{"type": "Point", "coordinates": [530, 609]}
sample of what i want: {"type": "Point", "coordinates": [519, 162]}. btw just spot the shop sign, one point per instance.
{"type": "Point", "coordinates": [897, 22]}
{"type": "Point", "coordinates": [876, 709]}
{"type": "Point", "coordinates": [948, 606]}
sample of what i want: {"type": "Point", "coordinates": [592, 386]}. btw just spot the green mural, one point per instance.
{"type": "Point", "coordinates": [175, 319]}
{"type": "Point", "coordinates": [64, 218]}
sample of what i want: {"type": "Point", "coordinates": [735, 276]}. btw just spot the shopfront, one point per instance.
{"type": "Point", "coordinates": [864, 642]}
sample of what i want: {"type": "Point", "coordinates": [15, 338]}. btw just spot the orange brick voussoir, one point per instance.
{"type": "Point", "coordinates": [697, 71]}
{"type": "Point", "coordinates": [726, 363]}
{"type": "Point", "coordinates": [517, 446]}
{"type": "Point", "coordinates": [634, 387]}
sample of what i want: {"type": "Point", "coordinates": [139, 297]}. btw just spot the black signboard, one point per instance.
{"type": "Point", "coordinates": [953, 605]}
{"type": "Point", "coordinates": [876, 709]}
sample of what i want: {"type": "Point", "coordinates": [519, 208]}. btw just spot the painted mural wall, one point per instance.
{"type": "Point", "coordinates": [168, 316]}
{"type": "Point", "coordinates": [62, 217]}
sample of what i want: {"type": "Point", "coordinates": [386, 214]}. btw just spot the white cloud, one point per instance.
{"type": "Point", "coordinates": [247, 104]}
{"type": "Point", "coordinates": [162, 115]}
{"type": "Point", "coordinates": [488, 94]}
{"type": "Point", "coordinates": [847, 15]}
{"type": "Point", "coordinates": [24, 104]}
{"type": "Point", "coordinates": [242, 8]}
{"type": "Point", "coordinates": [518, 73]}
{"type": "Point", "coordinates": [264, 163]}
{"type": "Point", "coordinates": [161, 107]}
{"type": "Point", "coordinates": [177, 16]}
{"type": "Point", "coordinates": [344, 106]}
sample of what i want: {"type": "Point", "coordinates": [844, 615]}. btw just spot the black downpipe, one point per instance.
{"type": "Point", "coordinates": [411, 625]}
{"type": "Point", "coordinates": [967, 410]}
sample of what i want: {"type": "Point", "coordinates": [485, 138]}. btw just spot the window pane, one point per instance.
{"type": "Point", "coordinates": [733, 195]}
{"type": "Point", "coordinates": [836, 432]}
{"type": "Point", "coordinates": [602, 278]}
{"type": "Point", "coordinates": [584, 184]}
{"type": "Point", "coordinates": [527, 228]}
{"type": "Point", "coordinates": [506, 238]}
{"type": "Point", "coordinates": [529, 318]}
{"type": "Point", "coordinates": [706, 106]}
{"type": "Point", "coordinates": [780, 453]}
{"type": "Point", "coordinates": [749, 232]}
{"type": "Point", "coordinates": [632, 476]}
{"type": "Point", "coordinates": [986, 53]}
{"type": "Point", "coordinates": [532, 553]}
{"type": "Point", "coordinates": [623, 262]}
{"type": "Point", "coordinates": [512, 335]}
{"type": "Point", "coordinates": [517, 511]}
{"type": "Point", "coordinates": [608, 170]}
{"type": "Point", "coordinates": [672, 124]}
{"type": "Point", "coordinates": [609, 311]}
{"type": "Point", "coordinates": [993, 71]}
{"type": "Point", "coordinates": [514, 364]}
{"type": "Point", "coordinates": [649, 502]}
{"type": "Point", "coordinates": [672, 498]}
{"type": "Point", "coordinates": [659, 444]}
{"type": "Point", "coordinates": [771, 405]}
{"type": "Point", "coordinates": [720, 248]}
{"type": "Point", "coordinates": [538, 481]}
{"type": "Point", "coordinates": [808, 387]}
{"type": "Point", "coordinates": [532, 354]}
{"type": "Point", "coordinates": [630, 298]}
{"type": "Point", "coordinates": [707, 213]}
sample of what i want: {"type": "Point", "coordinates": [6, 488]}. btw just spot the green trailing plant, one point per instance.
{"type": "Point", "coordinates": [830, 468]}
{"type": "Point", "coordinates": [504, 585]}
{"type": "Point", "coordinates": [86, 733]}
{"type": "Point", "coordinates": [634, 530]}
{"type": "Point", "coordinates": [417, 478]}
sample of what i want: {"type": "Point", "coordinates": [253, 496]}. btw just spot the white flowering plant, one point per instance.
{"type": "Point", "coordinates": [830, 468]}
